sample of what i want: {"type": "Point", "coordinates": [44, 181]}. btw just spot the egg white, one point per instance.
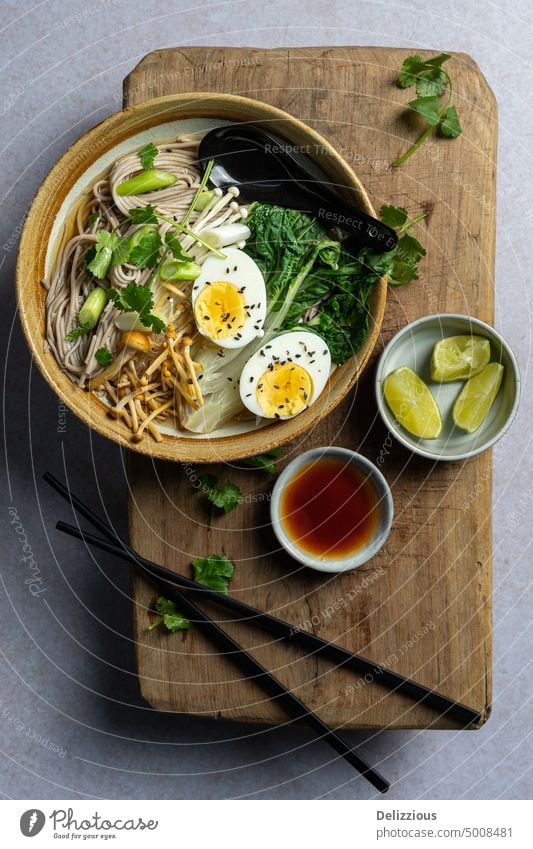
{"type": "Point", "coordinates": [303, 348]}
{"type": "Point", "coordinates": [241, 270]}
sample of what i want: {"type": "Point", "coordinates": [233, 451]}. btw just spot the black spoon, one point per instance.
{"type": "Point", "coordinates": [269, 169]}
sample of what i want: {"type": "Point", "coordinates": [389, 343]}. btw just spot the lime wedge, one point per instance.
{"type": "Point", "coordinates": [459, 358]}
{"type": "Point", "coordinates": [476, 397]}
{"type": "Point", "coordinates": [412, 403]}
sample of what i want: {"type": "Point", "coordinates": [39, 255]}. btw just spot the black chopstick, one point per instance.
{"type": "Point", "coordinates": [341, 656]}
{"type": "Point", "coordinates": [254, 670]}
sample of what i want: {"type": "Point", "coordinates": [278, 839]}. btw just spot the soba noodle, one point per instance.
{"type": "Point", "coordinates": [141, 387]}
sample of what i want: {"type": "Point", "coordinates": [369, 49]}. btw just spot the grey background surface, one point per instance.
{"type": "Point", "coordinates": [72, 724]}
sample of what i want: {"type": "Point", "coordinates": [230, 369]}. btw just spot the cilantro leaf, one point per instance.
{"type": "Point", "coordinates": [429, 108]}
{"type": "Point", "coordinates": [393, 216]}
{"type": "Point", "coordinates": [104, 356]}
{"type": "Point", "coordinates": [139, 299]}
{"type": "Point", "coordinates": [428, 75]}
{"type": "Point", "coordinates": [265, 461]}
{"type": "Point", "coordinates": [121, 250]}
{"type": "Point", "coordinates": [171, 618]}
{"type": "Point", "coordinates": [146, 252]}
{"type": "Point", "coordinates": [147, 155]}
{"type": "Point", "coordinates": [143, 215]}
{"type": "Point", "coordinates": [215, 572]}
{"type": "Point", "coordinates": [409, 71]}
{"type": "Point", "coordinates": [225, 497]}
{"type": "Point", "coordinates": [101, 254]}
{"type": "Point", "coordinates": [109, 249]}
{"type": "Point", "coordinates": [173, 243]}
{"type": "Point", "coordinates": [450, 126]}
{"type": "Point", "coordinates": [408, 254]}
{"type": "Point", "coordinates": [431, 81]}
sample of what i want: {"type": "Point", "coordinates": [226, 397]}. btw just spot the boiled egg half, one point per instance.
{"type": "Point", "coordinates": [229, 299]}
{"type": "Point", "coordinates": [286, 375]}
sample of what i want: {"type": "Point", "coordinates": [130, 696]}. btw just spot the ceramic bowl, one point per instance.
{"type": "Point", "coordinates": [412, 347]}
{"type": "Point", "coordinates": [385, 511]}
{"type": "Point", "coordinates": [79, 167]}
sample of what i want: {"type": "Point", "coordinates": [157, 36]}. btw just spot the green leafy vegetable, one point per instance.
{"type": "Point", "coordinates": [147, 155]}
{"type": "Point", "coordinates": [104, 356]}
{"type": "Point", "coordinates": [146, 252]}
{"type": "Point", "coordinates": [93, 218]}
{"type": "Point", "coordinates": [432, 82]}
{"type": "Point", "coordinates": [170, 616]}
{"type": "Point", "coordinates": [450, 126]}
{"type": "Point", "coordinates": [109, 249]}
{"type": "Point", "coordinates": [215, 572]}
{"type": "Point", "coordinates": [98, 258]}
{"type": "Point", "coordinates": [226, 496]}
{"type": "Point", "coordinates": [409, 251]}
{"type": "Point", "coordinates": [143, 215]}
{"type": "Point", "coordinates": [428, 75]}
{"type": "Point", "coordinates": [311, 280]}
{"type": "Point", "coordinates": [264, 461]}
{"type": "Point", "coordinates": [175, 247]}
{"type": "Point", "coordinates": [136, 298]}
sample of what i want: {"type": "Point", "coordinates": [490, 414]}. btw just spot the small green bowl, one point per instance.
{"type": "Point", "coordinates": [412, 347]}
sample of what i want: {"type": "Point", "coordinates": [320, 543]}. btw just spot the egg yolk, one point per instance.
{"type": "Point", "coordinates": [284, 390]}
{"type": "Point", "coordinates": [220, 310]}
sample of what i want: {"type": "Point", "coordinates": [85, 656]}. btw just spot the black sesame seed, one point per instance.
{"type": "Point", "coordinates": [249, 395]}
{"type": "Point", "coordinates": [251, 380]}
{"type": "Point", "coordinates": [276, 386]}
{"type": "Point", "coordinates": [227, 270]}
{"type": "Point", "coordinates": [297, 356]}
{"type": "Point", "coordinates": [206, 317]}
{"type": "Point", "coordinates": [230, 379]}
{"type": "Point", "coordinates": [262, 353]}
{"type": "Point", "coordinates": [259, 385]}
{"type": "Point", "coordinates": [268, 346]}
{"type": "Point", "coordinates": [324, 352]}
{"type": "Point", "coordinates": [281, 406]}
{"type": "Point", "coordinates": [277, 415]}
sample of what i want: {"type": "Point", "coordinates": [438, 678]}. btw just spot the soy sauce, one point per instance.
{"type": "Point", "coordinates": [330, 508]}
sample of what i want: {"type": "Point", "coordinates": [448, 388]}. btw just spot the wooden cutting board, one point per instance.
{"type": "Point", "coordinates": [423, 605]}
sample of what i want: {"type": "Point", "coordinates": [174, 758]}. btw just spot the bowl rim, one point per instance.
{"type": "Point", "coordinates": [386, 416]}
{"type": "Point", "coordinates": [386, 507]}
{"type": "Point", "coordinates": [32, 251]}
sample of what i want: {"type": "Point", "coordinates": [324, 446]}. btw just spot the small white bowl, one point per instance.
{"type": "Point", "coordinates": [412, 347]}
{"type": "Point", "coordinates": [385, 507]}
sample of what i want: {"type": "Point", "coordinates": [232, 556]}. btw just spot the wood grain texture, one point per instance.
{"type": "Point", "coordinates": [423, 605]}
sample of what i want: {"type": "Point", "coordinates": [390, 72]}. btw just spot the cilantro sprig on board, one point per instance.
{"type": "Point", "coordinates": [434, 88]}
{"type": "Point", "coordinates": [409, 251]}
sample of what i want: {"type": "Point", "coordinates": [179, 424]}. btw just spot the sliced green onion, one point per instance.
{"type": "Point", "coordinates": [199, 191]}
{"type": "Point", "coordinates": [175, 270]}
{"type": "Point", "coordinates": [140, 233]}
{"type": "Point", "coordinates": [203, 200]}
{"type": "Point", "coordinates": [93, 307]}
{"type": "Point", "coordinates": [146, 181]}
